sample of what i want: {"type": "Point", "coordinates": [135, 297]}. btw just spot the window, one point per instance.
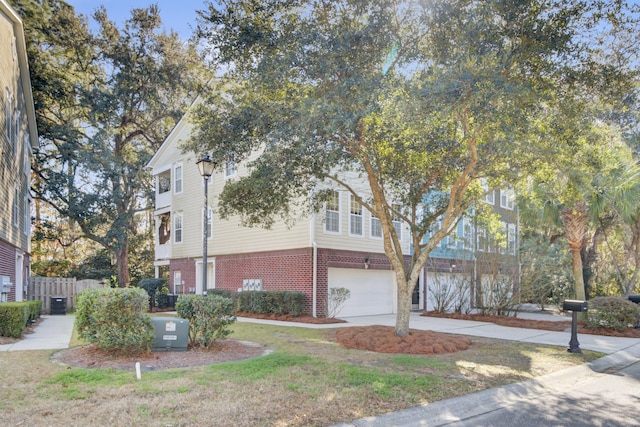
{"type": "Point", "coordinates": [376, 227]}
{"type": "Point", "coordinates": [468, 233]}
{"type": "Point", "coordinates": [177, 282]}
{"type": "Point", "coordinates": [27, 216]}
{"type": "Point", "coordinates": [511, 238]}
{"type": "Point", "coordinates": [16, 207]}
{"type": "Point", "coordinates": [177, 228]}
{"type": "Point", "coordinates": [209, 221]}
{"type": "Point", "coordinates": [27, 155]}
{"type": "Point", "coordinates": [14, 48]}
{"type": "Point", "coordinates": [397, 222]}
{"type": "Point", "coordinates": [489, 197]}
{"type": "Point", "coordinates": [8, 115]}
{"type": "Point", "coordinates": [164, 182]}
{"type": "Point", "coordinates": [164, 229]}
{"type": "Point", "coordinates": [177, 179]}
{"type": "Point", "coordinates": [230, 169]}
{"type": "Point", "coordinates": [16, 130]}
{"type": "Point", "coordinates": [506, 198]}
{"type": "Point", "coordinates": [482, 239]}
{"type": "Point", "coordinates": [355, 218]}
{"type": "Point", "coordinates": [332, 213]}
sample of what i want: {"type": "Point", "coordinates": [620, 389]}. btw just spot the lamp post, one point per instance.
{"type": "Point", "coordinates": [205, 166]}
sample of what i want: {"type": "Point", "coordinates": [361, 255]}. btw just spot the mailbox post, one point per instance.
{"type": "Point", "coordinates": [575, 306]}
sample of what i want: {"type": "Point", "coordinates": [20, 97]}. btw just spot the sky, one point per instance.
{"type": "Point", "coordinates": [179, 15]}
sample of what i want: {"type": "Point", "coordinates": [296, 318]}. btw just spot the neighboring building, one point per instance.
{"type": "Point", "coordinates": [18, 138]}
{"type": "Point", "coordinates": [338, 247]}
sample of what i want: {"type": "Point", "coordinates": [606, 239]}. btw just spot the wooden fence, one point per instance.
{"type": "Point", "coordinates": [45, 288]}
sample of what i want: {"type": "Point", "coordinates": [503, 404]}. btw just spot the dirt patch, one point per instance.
{"type": "Point", "coordinates": [383, 339]}
{"type": "Point", "coordinates": [547, 325]}
{"type": "Point", "coordinates": [89, 356]}
{"type": "Point", "coordinates": [28, 330]}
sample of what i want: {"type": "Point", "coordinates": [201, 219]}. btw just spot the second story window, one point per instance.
{"type": "Point", "coordinates": [230, 169]}
{"type": "Point", "coordinates": [511, 239]}
{"type": "Point", "coordinates": [332, 213]}
{"type": "Point", "coordinates": [16, 206]}
{"type": "Point", "coordinates": [355, 218]}
{"type": "Point", "coordinates": [489, 195]}
{"type": "Point", "coordinates": [209, 221]}
{"type": "Point", "coordinates": [177, 228]}
{"type": "Point", "coordinates": [507, 197]}
{"type": "Point", "coordinates": [376, 227]}
{"type": "Point", "coordinates": [397, 222]}
{"type": "Point", "coordinates": [177, 178]}
{"type": "Point", "coordinates": [8, 116]}
{"type": "Point", "coordinates": [164, 182]}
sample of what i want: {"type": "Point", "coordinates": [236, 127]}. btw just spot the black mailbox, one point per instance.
{"type": "Point", "coordinates": [634, 298]}
{"type": "Point", "coordinates": [574, 305]}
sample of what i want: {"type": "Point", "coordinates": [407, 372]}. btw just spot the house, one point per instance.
{"type": "Point", "coordinates": [18, 139]}
{"type": "Point", "coordinates": [341, 246]}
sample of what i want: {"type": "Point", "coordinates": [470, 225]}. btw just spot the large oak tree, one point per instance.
{"type": "Point", "coordinates": [105, 101]}
{"type": "Point", "coordinates": [420, 99]}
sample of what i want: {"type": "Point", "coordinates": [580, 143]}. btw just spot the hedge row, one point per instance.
{"type": "Point", "coordinates": [265, 302]}
{"type": "Point", "coordinates": [115, 319]}
{"type": "Point", "coordinates": [14, 316]}
{"type": "Point", "coordinates": [612, 312]}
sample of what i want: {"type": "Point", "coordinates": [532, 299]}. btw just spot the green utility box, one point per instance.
{"type": "Point", "coordinates": [171, 334]}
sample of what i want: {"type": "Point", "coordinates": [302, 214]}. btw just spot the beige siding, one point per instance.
{"type": "Point", "coordinates": [228, 236]}
{"type": "Point", "coordinates": [15, 147]}
{"type": "Point", "coordinates": [343, 240]}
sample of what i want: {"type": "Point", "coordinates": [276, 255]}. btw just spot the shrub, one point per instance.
{"type": "Point", "coordinates": [13, 318]}
{"type": "Point", "coordinates": [209, 317]}
{"type": "Point", "coordinates": [114, 319]}
{"type": "Point", "coordinates": [337, 297]}
{"type": "Point", "coordinates": [152, 286]}
{"type": "Point", "coordinates": [271, 302]}
{"type": "Point", "coordinates": [612, 312]}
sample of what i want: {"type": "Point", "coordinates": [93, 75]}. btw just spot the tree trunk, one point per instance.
{"type": "Point", "coordinates": [575, 221]}
{"type": "Point", "coordinates": [122, 261]}
{"type": "Point", "coordinates": [578, 278]}
{"type": "Point", "coordinates": [404, 305]}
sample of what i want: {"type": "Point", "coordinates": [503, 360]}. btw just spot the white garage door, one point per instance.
{"type": "Point", "coordinates": [372, 291]}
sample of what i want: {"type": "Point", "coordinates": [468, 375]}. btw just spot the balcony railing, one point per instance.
{"type": "Point", "coordinates": [163, 251]}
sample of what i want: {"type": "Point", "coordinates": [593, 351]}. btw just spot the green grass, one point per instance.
{"type": "Point", "coordinates": [308, 379]}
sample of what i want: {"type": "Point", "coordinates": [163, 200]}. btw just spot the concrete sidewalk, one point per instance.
{"type": "Point", "coordinates": [53, 332]}
{"type": "Point", "coordinates": [604, 344]}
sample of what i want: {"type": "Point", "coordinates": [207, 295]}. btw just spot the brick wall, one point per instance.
{"type": "Point", "coordinates": [187, 267]}
{"type": "Point", "coordinates": [290, 270]}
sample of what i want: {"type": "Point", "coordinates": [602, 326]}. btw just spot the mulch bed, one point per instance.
{"type": "Point", "coordinates": [90, 356]}
{"type": "Point", "coordinates": [383, 339]}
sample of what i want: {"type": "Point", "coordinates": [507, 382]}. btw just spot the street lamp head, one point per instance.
{"type": "Point", "coordinates": [206, 166]}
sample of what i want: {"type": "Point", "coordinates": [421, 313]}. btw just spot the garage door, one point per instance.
{"type": "Point", "coordinates": [372, 291]}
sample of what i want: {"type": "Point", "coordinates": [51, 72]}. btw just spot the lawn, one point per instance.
{"type": "Point", "coordinates": [308, 380]}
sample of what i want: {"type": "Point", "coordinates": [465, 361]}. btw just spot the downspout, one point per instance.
{"type": "Point", "coordinates": [314, 264]}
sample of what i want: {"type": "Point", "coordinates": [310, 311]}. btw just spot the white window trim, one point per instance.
{"type": "Point", "coordinates": [230, 169]}
{"type": "Point", "coordinates": [27, 153]}
{"type": "Point", "coordinates": [353, 216]}
{"type": "Point", "coordinates": [512, 238]}
{"type": "Point", "coordinates": [507, 196]}
{"type": "Point", "coordinates": [8, 115]}
{"type": "Point", "coordinates": [397, 224]}
{"type": "Point", "coordinates": [16, 206]}
{"type": "Point", "coordinates": [174, 232]}
{"type": "Point", "coordinates": [209, 222]}
{"type": "Point", "coordinates": [176, 167]}
{"type": "Point", "coordinates": [372, 219]}
{"type": "Point", "coordinates": [27, 216]}
{"type": "Point", "coordinates": [339, 214]}
{"type": "Point", "coordinates": [490, 197]}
